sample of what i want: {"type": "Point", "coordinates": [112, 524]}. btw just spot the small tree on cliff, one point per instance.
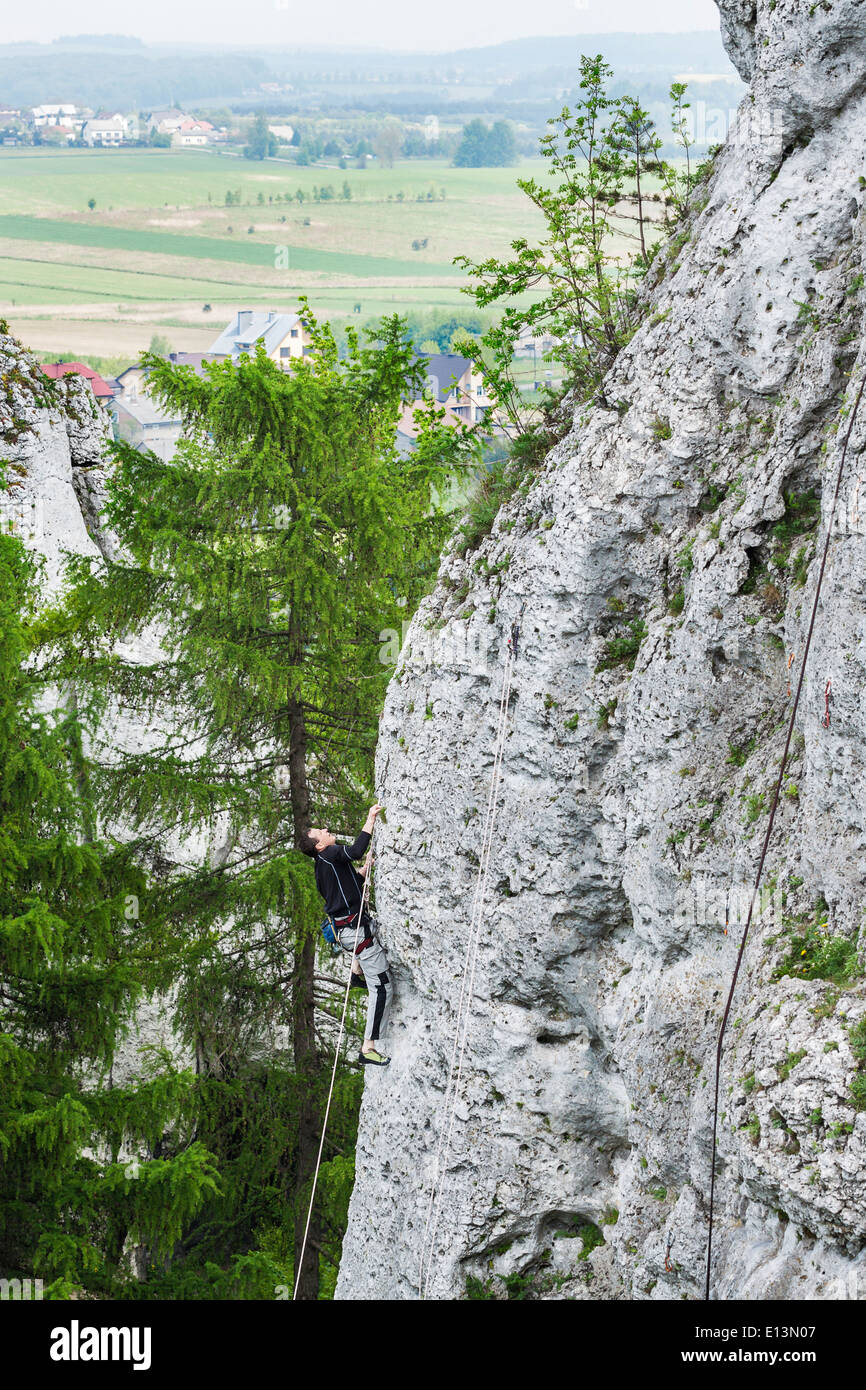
{"type": "Point", "coordinates": [270, 553]}
{"type": "Point", "coordinates": [602, 158]}
{"type": "Point", "coordinates": [78, 948]}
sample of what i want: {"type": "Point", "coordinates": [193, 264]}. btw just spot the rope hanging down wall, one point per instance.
{"type": "Point", "coordinates": [773, 808]}
{"type": "Point", "coordinates": [467, 985]}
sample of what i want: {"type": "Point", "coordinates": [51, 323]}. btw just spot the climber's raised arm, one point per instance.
{"type": "Point", "coordinates": [362, 843]}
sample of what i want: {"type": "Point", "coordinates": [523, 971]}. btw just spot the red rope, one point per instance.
{"type": "Point", "coordinates": [766, 844]}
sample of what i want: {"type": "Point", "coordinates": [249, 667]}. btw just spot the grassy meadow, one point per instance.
{"type": "Point", "coordinates": [161, 242]}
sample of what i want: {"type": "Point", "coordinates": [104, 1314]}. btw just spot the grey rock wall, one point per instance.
{"type": "Point", "coordinates": [54, 456]}
{"type": "Point", "coordinates": [632, 804]}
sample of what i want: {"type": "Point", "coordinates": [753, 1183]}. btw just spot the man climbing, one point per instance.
{"type": "Point", "coordinates": [342, 887]}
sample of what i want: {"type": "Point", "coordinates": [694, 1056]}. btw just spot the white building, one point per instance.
{"type": "Point", "coordinates": [167, 122]}
{"type": "Point", "coordinates": [54, 115]}
{"type": "Point", "coordinates": [283, 336]}
{"type": "Point", "coordinates": [111, 130]}
{"type": "Point", "coordinates": [191, 133]}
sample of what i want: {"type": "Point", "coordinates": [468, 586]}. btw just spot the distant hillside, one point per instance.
{"type": "Point", "coordinates": [645, 53]}
{"type": "Point", "coordinates": [111, 70]}
{"type": "Point", "coordinates": [129, 80]}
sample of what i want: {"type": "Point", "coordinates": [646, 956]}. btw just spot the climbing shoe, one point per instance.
{"type": "Point", "coordinates": [373, 1059]}
{"type": "Point", "coordinates": [357, 982]}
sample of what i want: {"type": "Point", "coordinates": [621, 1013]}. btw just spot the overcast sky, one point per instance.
{"type": "Point", "coordinates": [395, 24]}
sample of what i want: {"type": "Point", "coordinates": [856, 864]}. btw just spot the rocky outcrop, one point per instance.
{"type": "Point", "coordinates": [51, 433]}
{"type": "Point", "coordinates": [676, 529]}
{"type": "Point", "coordinates": [53, 439]}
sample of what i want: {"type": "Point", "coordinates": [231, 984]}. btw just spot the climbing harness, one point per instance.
{"type": "Point", "coordinates": [825, 717]}
{"type": "Point", "coordinates": [331, 926]}
{"type": "Point", "coordinates": [467, 986]}
{"type": "Point", "coordinates": [364, 896]}
{"type": "Point", "coordinates": [326, 927]}
{"type": "Point", "coordinates": [769, 831]}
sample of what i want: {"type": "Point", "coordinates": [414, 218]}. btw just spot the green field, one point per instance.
{"type": "Point", "coordinates": [244, 251]}
{"type": "Point", "coordinates": [51, 183]}
{"type": "Point", "coordinates": [161, 243]}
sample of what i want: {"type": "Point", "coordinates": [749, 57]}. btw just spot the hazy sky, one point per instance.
{"type": "Point", "coordinates": [445, 24]}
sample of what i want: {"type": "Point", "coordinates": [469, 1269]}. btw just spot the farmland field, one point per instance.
{"type": "Point", "coordinates": [161, 241]}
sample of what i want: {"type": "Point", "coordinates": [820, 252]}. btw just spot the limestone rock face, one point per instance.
{"type": "Point", "coordinates": [681, 526]}
{"type": "Point", "coordinates": [48, 433]}
{"type": "Point", "coordinates": [53, 447]}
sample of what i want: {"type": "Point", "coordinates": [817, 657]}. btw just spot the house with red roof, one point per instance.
{"type": "Point", "coordinates": [191, 132]}
{"type": "Point", "coordinates": [98, 385]}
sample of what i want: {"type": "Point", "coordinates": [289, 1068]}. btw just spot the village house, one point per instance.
{"type": "Point", "coordinates": [282, 335]}
{"type": "Point", "coordinates": [166, 122]}
{"type": "Point", "coordinates": [58, 135]}
{"type": "Point", "coordinates": [138, 418]}
{"type": "Point", "coordinates": [455, 384]}
{"type": "Point", "coordinates": [457, 388]}
{"type": "Point", "coordinates": [146, 426]}
{"type": "Point", "coordinates": [11, 125]}
{"type": "Point", "coordinates": [111, 130]}
{"type": "Point", "coordinates": [53, 115]}
{"type": "Point", "coordinates": [191, 133]}
{"type": "Point", "coordinates": [103, 390]}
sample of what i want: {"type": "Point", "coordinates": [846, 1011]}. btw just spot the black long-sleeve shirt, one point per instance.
{"type": "Point", "coordinates": [337, 879]}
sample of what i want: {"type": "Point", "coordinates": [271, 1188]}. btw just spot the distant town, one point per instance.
{"type": "Point", "coordinates": [66, 124]}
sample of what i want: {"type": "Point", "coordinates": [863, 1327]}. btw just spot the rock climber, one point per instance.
{"type": "Point", "coordinates": [342, 887]}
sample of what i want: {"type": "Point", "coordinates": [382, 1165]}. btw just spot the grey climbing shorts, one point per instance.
{"type": "Point", "coordinates": [374, 964]}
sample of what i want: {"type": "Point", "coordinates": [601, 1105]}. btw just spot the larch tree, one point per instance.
{"type": "Point", "coordinates": [88, 1170]}
{"type": "Point", "coordinates": [269, 554]}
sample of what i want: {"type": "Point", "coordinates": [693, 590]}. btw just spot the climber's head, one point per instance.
{"type": "Point", "coordinates": [314, 841]}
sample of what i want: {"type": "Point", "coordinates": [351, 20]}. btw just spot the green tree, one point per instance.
{"type": "Point", "coordinates": [271, 552]}
{"type": "Point", "coordinates": [472, 150]}
{"type": "Point", "coordinates": [262, 143]}
{"type": "Point", "coordinates": [603, 172]}
{"type": "Point", "coordinates": [634, 137]}
{"type": "Point", "coordinates": [486, 147]}
{"type": "Point", "coordinates": [389, 142]}
{"type": "Point", "coordinates": [79, 947]}
{"type": "Point", "coordinates": [501, 146]}
{"type": "Point", "coordinates": [682, 133]}
{"type": "Point", "coordinates": [599, 157]}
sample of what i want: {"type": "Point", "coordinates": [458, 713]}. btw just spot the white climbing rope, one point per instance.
{"type": "Point", "coordinates": [467, 987]}
{"type": "Point", "coordinates": [364, 895]}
